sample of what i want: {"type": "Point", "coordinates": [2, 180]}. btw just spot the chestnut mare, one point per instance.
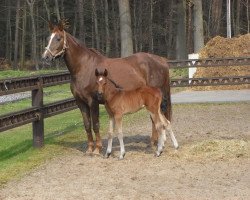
{"type": "Point", "coordinates": [119, 102]}
{"type": "Point", "coordinates": [131, 72]}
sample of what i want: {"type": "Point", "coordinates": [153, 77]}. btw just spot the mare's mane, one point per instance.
{"type": "Point", "coordinates": [82, 45]}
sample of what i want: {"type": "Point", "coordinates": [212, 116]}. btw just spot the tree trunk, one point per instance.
{"type": "Point", "coordinates": [47, 9]}
{"type": "Point", "coordinates": [107, 27]}
{"type": "Point", "coordinates": [81, 21]}
{"type": "Point", "coordinates": [33, 49]}
{"type": "Point", "coordinates": [125, 28]}
{"type": "Point", "coordinates": [15, 64]}
{"type": "Point", "coordinates": [97, 37]}
{"type": "Point", "coordinates": [24, 24]}
{"type": "Point", "coordinates": [57, 10]}
{"type": "Point", "coordinates": [181, 43]}
{"type": "Point", "coordinates": [151, 38]}
{"type": "Point", "coordinates": [198, 26]}
{"type": "Point", "coordinates": [9, 33]}
{"type": "Point", "coordinates": [114, 19]}
{"type": "Point", "coordinates": [215, 21]}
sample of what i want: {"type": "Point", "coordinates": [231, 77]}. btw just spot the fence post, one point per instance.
{"type": "Point", "coordinates": [38, 126]}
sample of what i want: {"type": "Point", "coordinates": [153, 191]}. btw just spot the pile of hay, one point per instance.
{"type": "Point", "coordinates": [214, 149]}
{"type": "Point", "coordinates": [220, 47]}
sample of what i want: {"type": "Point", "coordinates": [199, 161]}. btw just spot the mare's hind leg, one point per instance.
{"type": "Point", "coordinates": [118, 125]}
{"type": "Point", "coordinates": [85, 111]}
{"type": "Point", "coordinates": [96, 127]}
{"type": "Point", "coordinates": [110, 137]}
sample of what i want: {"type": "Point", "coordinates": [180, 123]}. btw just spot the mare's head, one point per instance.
{"type": "Point", "coordinates": [101, 80]}
{"type": "Point", "coordinates": [56, 42]}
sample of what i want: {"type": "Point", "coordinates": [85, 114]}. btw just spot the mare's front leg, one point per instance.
{"type": "Point", "coordinates": [110, 136]}
{"type": "Point", "coordinates": [118, 125]}
{"type": "Point", "coordinates": [96, 126]}
{"type": "Point", "coordinates": [85, 111]}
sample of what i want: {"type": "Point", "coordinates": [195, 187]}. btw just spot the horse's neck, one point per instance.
{"type": "Point", "coordinates": [78, 56]}
{"type": "Point", "coordinates": [110, 91]}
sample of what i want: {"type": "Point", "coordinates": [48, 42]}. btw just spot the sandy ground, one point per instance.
{"type": "Point", "coordinates": [213, 162]}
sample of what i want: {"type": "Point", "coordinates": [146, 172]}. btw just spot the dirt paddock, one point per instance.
{"type": "Point", "coordinates": [213, 162]}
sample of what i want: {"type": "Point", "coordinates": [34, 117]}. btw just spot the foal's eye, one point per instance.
{"type": "Point", "coordinates": [58, 39]}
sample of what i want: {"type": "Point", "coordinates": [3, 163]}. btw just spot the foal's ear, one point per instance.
{"type": "Point", "coordinates": [105, 73]}
{"type": "Point", "coordinates": [96, 72]}
{"type": "Point", "coordinates": [51, 26]}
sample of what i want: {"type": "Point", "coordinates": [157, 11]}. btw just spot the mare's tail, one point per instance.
{"type": "Point", "coordinates": [166, 105]}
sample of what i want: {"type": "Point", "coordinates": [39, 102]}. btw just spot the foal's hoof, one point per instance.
{"type": "Point", "coordinates": [121, 157]}
{"type": "Point", "coordinates": [107, 155]}
{"type": "Point", "coordinates": [158, 153]}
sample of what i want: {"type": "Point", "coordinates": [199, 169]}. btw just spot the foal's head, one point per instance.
{"type": "Point", "coordinates": [101, 80]}
{"type": "Point", "coordinates": [56, 41]}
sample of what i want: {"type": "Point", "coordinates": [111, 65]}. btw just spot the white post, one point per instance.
{"type": "Point", "coordinates": [192, 70]}
{"type": "Point", "coordinates": [229, 19]}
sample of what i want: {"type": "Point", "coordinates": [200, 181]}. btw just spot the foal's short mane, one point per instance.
{"type": "Point", "coordinates": [115, 84]}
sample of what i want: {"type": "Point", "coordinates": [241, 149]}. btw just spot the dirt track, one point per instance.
{"type": "Point", "coordinates": [212, 163]}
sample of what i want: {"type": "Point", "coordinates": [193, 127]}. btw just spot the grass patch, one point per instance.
{"type": "Point", "coordinates": [62, 133]}
{"type": "Point", "coordinates": [20, 73]}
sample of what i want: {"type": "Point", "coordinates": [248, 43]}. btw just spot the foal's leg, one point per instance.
{"type": "Point", "coordinates": [154, 136]}
{"type": "Point", "coordinates": [110, 136]}
{"type": "Point", "coordinates": [85, 111]}
{"type": "Point", "coordinates": [96, 126]}
{"type": "Point", "coordinates": [167, 125]}
{"type": "Point", "coordinates": [160, 129]}
{"type": "Point", "coordinates": [118, 125]}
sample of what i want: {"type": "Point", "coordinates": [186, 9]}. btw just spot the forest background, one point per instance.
{"type": "Point", "coordinates": [169, 28]}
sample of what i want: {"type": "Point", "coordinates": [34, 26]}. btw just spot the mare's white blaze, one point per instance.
{"type": "Point", "coordinates": [100, 79]}
{"type": "Point", "coordinates": [51, 38]}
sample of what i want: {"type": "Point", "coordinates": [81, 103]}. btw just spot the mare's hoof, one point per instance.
{"type": "Point", "coordinates": [89, 152]}
{"type": "Point", "coordinates": [107, 155]}
{"type": "Point", "coordinates": [96, 152]}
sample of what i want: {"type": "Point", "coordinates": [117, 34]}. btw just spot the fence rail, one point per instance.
{"type": "Point", "coordinates": [38, 112]}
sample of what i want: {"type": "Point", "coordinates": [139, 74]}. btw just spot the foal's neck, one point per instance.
{"type": "Point", "coordinates": [111, 90]}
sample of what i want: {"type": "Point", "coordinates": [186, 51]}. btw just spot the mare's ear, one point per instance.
{"type": "Point", "coordinates": [105, 72]}
{"type": "Point", "coordinates": [96, 72]}
{"type": "Point", "coordinates": [51, 26]}
{"type": "Point", "coordinates": [61, 25]}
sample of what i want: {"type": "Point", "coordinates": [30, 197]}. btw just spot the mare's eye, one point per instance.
{"type": "Point", "coordinates": [58, 38]}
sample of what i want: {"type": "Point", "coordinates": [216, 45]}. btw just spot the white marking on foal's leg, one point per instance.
{"type": "Point", "coordinates": [120, 137]}
{"type": "Point", "coordinates": [167, 125]}
{"type": "Point", "coordinates": [161, 132]}
{"type": "Point", "coordinates": [173, 137]}
{"type": "Point", "coordinates": [110, 137]}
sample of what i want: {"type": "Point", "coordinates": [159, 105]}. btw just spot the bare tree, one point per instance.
{"type": "Point", "coordinates": [198, 25]}
{"type": "Point", "coordinates": [81, 20]}
{"type": "Point", "coordinates": [107, 27]}
{"type": "Point", "coordinates": [97, 37]}
{"type": "Point", "coordinates": [33, 48]}
{"type": "Point", "coordinates": [181, 46]}
{"type": "Point", "coordinates": [15, 64]}
{"type": "Point", "coordinates": [125, 28]}
{"type": "Point", "coordinates": [24, 24]}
